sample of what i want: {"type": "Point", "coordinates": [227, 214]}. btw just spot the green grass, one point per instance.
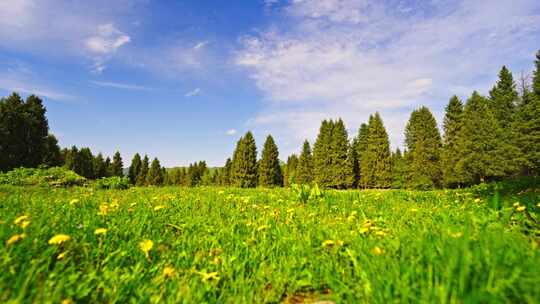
{"type": "Point", "coordinates": [264, 246]}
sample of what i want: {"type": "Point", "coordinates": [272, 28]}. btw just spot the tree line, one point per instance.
{"type": "Point", "coordinates": [484, 138]}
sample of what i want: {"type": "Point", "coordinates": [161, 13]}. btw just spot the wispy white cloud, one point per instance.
{"type": "Point", "coordinates": [200, 45]}
{"type": "Point", "coordinates": [122, 86]}
{"type": "Point", "coordinates": [231, 132]}
{"type": "Point", "coordinates": [106, 40]}
{"type": "Point", "coordinates": [193, 92]}
{"type": "Point", "coordinates": [350, 58]}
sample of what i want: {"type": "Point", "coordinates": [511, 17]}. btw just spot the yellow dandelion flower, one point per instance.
{"type": "Point", "coordinates": [146, 246]}
{"type": "Point", "coordinates": [516, 204]}
{"type": "Point", "coordinates": [207, 277]}
{"type": "Point", "coordinates": [521, 208]}
{"type": "Point", "coordinates": [73, 201]}
{"type": "Point", "coordinates": [328, 243]}
{"type": "Point", "coordinates": [68, 301]}
{"type": "Point", "coordinates": [18, 220]}
{"type": "Point", "coordinates": [157, 208]}
{"type": "Point", "coordinates": [14, 239]}
{"type": "Point", "coordinates": [59, 239]}
{"type": "Point", "coordinates": [100, 231]}
{"type": "Point", "coordinates": [363, 230]}
{"type": "Point", "coordinates": [169, 272]}
{"type": "Point", "coordinates": [377, 250]}
{"type": "Point", "coordinates": [477, 200]}
{"type": "Point", "coordinates": [61, 256]}
{"type": "Point", "coordinates": [24, 224]}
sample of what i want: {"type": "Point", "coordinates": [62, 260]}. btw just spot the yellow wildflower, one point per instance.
{"type": "Point", "coordinates": [521, 208]}
{"type": "Point", "coordinates": [20, 219]}
{"type": "Point", "coordinates": [331, 243]}
{"type": "Point", "coordinates": [24, 224]}
{"type": "Point", "coordinates": [377, 250]}
{"type": "Point", "coordinates": [207, 277]}
{"type": "Point", "coordinates": [146, 246]}
{"type": "Point", "coordinates": [68, 301]}
{"type": "Point", "coordinates": [168, 272]}
{"type": "Point", "coordinates": [477, 200]}
{"type": "Point", "coordinates": [61, 256]}
{"type": "Point", "coordinates": [100, 231]}
{"type": "Point", "coordinates": [14, 239]}
{"type": "Point", "coordinates": [73, 201]}
{"type": "Point", "coordinates": [59, 239]}
{"type": "Point", "coordinates": [516, 204]}
{"type": "Point", "coordinates": [157, 208]}
{"type": "Point", "coordinates": [456, 235]}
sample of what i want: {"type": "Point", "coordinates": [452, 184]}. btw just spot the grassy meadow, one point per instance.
{"type": "Point", "coordinates": [226, 245]}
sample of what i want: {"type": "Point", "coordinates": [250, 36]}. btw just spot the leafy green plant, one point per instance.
{"type": "Point", "coordinates": [55, 176]}
{"type": "Point", "coordinates": [114, 182]}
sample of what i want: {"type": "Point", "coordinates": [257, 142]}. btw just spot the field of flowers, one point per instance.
{"type": "Point", "coordinates": [220, 245]}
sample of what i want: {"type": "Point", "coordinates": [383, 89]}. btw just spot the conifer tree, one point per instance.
{"type": "Point", "coordinates": [399, 169]}
{"type": "Point", "coordinates": [135, 168]}
{"type": "Point", "coordinates": [527, 124]}
{"type": "Point", "coordinates": [117, 166]}
{"type": "Point", "coordinates": [100, 168]}
{"type": "Point", "coordinates": [269, 168]}
{"type": "Point", "coordinates": [450, 155]}
{"type": "Point", "coordinates": [51, 155]}
{"type": "Point", "coordinates": [226, 173]}
{"type": "Point", "coordinates": [155, 174]}
{"type": "Point", "coordinates": [352, 169]}
{"type": "Point", "coordinates": [376, 161]}
{"type": "Point", "coordinates": [322, 155]}
{"type": "Point", "coordinates": [361, 146]}
{"type": "Point", "coordinates": [85, 164]}
{"type": "Point", "coordinates": [503, 98]}
{"type": "Point", "coordinates": [304, 168]}
{"type": "Point", "coordinates": [339, 146]}
{"type": "Point", "coordinates": [141, 178]}
{"type": "Point", "coordinates": [423, 143]}
{"type": "Point", "coordinates": [484, 152]}
{"type": "Point", "coordinates": [108, 166]}
{"type": "Point", "coordinates": [71, 159]}
{"type": "Point", "coordinates": [289, 176]}
{"type": "Point", "coordinates": [244, 164]}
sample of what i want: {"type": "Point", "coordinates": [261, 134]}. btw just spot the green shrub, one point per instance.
{"type": "Point", "coordinates": [113, 182]}
{"type": "Point", "coordinates": [55, 176]}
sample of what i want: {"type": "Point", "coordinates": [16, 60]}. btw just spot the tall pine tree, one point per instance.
{"type": "Point", "coordinates": [453, 122]}
{"type": "Point", "coordinates": [289, 175]}
{"type": "Point", "coordinates": [135, 168]}
{"type": "Point", "coordinates": [244, 164]}
{"type": "Point", "coordinates": [270, 174]}
{"type": "Point", "coordinates": [117, 166]}
{"type": "Point", "coordinates": [141, 178]}
{"type": "Point", "coordinates": [322, 155]}
{"type": "Point", "coordinates": [304, 169]}
{"type": "Point", "coordinates": [503, 98]}
{"type": "Point", "coordinates": [339, 145]}
{"type": "Point", "coordinates": [376, 161]}
{"type": "Point", "coordinates": [155, 174]}
{"type": "Point", "coordinates": [484, 152]}
{"type": "Point", "coordinates": [423, 143]}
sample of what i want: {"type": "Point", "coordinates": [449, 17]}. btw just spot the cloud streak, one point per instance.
{"type": "Point", "coordinates": [122, 86]}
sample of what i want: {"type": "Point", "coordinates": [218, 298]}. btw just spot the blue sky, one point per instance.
{"type": "Point", "coordinates": [182, 80]}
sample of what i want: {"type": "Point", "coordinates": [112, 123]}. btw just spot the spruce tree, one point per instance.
{"type": "Point", "coordinates": [352, 168]}
{"type": "Point", "coordinates": [484, 152]}
{"type": "Point", "coordinates": [503, 98]}
{"type": "Point", "coordinates": [141, 178]}
{"type": "Point", "coordinates": [135, 168]}
{"type": "Point", "coordinates": [117, 166]}
{"type": "Point", "coordinates": [71, 159]}
{"type": "Point", "coordinates": [85, 166]}
{"type": "Point", "coordinates": [304, 168]}
{"type": "Point", "coordinates": [289, 176]}
{"type": "Point", "coordinates": [527, 124]}
{"type": "Point", "coordinates": [423, 143]}
{"type": "Point", "coordinates": [361, 146]}
{"type": "Point", "coordinates": [450, 155]}
{"type": "Point", "coordinates": [244, 164]}
{"type": "Point", "coordinates": [322, 155]}
{"type": "Point", "coordinates": [52, 156]}
{"type": "Point", "coordinates": [226, 173]}
{"type": "Point", "coordinates": [100, 168]}
{"type": "Point", "coordinates": [339, 146]}
{"type": "Point", "coordinates": [108, 166]}
{"type": "Point", "coordinates": [399, 169]}
{"type": "Point", "coordinates": [155, 174]}
{"type": "Point", "coordinates": [269, 168]}
{"type": "Point", "coordinates": [376, 161]}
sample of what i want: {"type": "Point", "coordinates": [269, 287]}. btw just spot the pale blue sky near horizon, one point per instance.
{"type": "Point", "coordinates": [183, 80]}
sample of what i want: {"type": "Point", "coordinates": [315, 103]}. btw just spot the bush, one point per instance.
{"type": "Point", "coordinates": [55, 176]}
{"type": "Point", "coordinates": [113, 182]}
